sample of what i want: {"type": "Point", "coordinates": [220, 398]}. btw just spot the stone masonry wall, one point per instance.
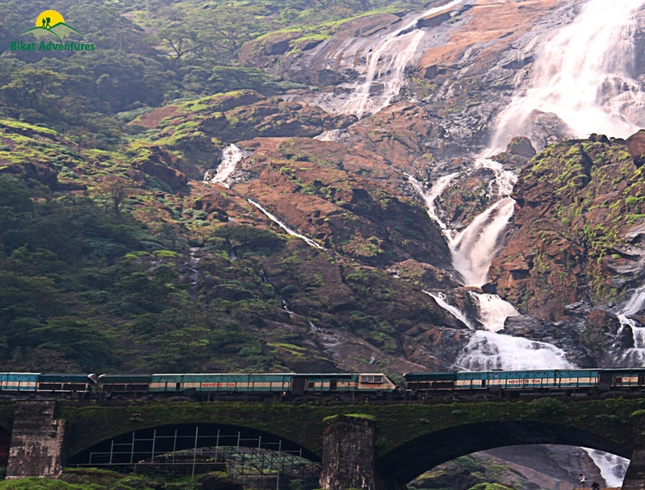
{"type": "Point", "coordinates": [36, 441]}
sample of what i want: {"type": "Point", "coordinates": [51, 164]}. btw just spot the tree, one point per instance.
{"type": "Point", "coordinates": [30, 87]}
{"type": "Point", "coordinates": [180, 40]}
{"type": "Point", "coordinates": [117, 189]}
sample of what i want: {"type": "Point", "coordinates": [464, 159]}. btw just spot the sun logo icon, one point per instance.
{"type": "Point", "coordinates": [51, 22]}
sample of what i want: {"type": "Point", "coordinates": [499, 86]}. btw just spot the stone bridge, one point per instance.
{"type": "Point", "coordinates": [371, 446]}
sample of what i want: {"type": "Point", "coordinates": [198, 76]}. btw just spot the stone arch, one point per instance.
{"type": "Point", "coordinates": [423, 453]}
{"type": "Point", "coordinates": [207, 432]}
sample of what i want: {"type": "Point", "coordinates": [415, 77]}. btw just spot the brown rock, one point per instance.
{"type": "Point", "coordinates": [636, 147]}
{"type": "Point", "coordinates": [153, 163]}
{"type": "Point", "coordinates": [279, 43]}
{"type": "Point", "coordinates": [521, 146]}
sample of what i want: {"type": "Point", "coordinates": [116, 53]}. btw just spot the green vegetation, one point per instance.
{"type": "Point", "coordinates": [95, 479]}
{"type": "Point", "coordinates": [591, 194]}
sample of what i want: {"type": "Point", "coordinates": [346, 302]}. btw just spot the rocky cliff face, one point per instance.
{"type": "Point", "coordinates": [576, 230]}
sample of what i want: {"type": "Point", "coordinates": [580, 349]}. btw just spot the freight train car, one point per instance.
{"type": "Point", "coordinates": [65, 383]}
{"type": "Point", "coordinates": [225, 382]}
{"type": "Point", "coordinates": [245, 385]}
{"type": "Point", "coordinates": [517, 383]}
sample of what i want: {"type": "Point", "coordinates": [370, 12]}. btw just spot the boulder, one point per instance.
{"type": "Point", "coordinates": [521, 146]}
{"type": "Point", "coordinates": [636, 147]}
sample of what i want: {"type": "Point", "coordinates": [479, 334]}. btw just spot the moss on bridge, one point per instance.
{"type": "Point", "coordinates": [89, 424]}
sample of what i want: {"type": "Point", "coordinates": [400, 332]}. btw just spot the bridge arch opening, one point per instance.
{"type": "Point", "coordinates": [194, 448]}
{"type": "Point", "coordinates": [408, 461]}
{"type": "Point", "coordinates": [526, 467]}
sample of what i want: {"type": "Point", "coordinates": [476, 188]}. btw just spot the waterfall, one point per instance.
{"type": "Point", "coordinates": [230, 158]}
{"type": "Point", "coordinates": [286, 228]}
{"type": "Point", "coordinates": [487, 351]}
{"type": "Point", "coordinates": [474, 248]}
{"type": "Point", "coordinates": [583, 74]}
{"type": "Point", "coordinates": [385, 62]}
{"type": "Point", "coordinates": [612, 467]}
{"type": "Point", "coordinates": [635, 356]}
{"type": "Point", "coordinates": [440, 298]}
{"type": "Point", "coordinates": [493, 311]}
{"type": "Point", "coordinates": [430, 197]}
{"type": "Point", "coordinates": [329, 135]}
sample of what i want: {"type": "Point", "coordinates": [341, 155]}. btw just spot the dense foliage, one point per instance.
{"type": "Point", "coordinates": [148, 53]}
{"type": "Point", "coordinates": [95, 264]}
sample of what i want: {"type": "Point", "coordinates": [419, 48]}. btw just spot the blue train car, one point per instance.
{"type": "Point", "coordinates": [224, 382]}
{"type": "Point", "coordinates": [19, 382]}
{"type": "Point", "coordinates": [578, 378]}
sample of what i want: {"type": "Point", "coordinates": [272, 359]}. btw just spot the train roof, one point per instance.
{"type": "Point", "coordinates": [221, 375]}
{"type": "Point", "coordinates": [62, 377]}
{"type": "Point", "coordinates": [429, 376]}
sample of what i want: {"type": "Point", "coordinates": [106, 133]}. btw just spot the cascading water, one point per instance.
{"type": "Point", "coordinates": [230, 158]}
{"type": "Point", "coordinates": [473, 250]}
{"type": "Point", "coordinates": [583, 74]}
{"type": "Point", "coordinates": [634, 356]}
{"type": "Point", "coordinates": [612, 467]}
{"type": "Point", "coordinates": [386, 62]}
{"type": "Point", "coordinates": [487, 351]}
{"type": "Point", "coordinates": [475, 246]}
{"type": "Point", "coordinates": [440, 298]}
{"type": "Point", "coordinates": [286, 228]}
{"type": "Point", "coordinates": [329, 135]}
{"type": "Point", "coordinates": [429, 197]}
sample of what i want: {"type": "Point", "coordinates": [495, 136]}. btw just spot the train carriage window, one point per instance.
{"type": "Point", "coordinates": [641, 379]}
{"type": "Point", "coordinates": [371, 379]}
{"type": "Point", "coordinates": [333, 385]}
{"type": "Point", "coordinates": [618, 380]}
{"type": "Point", "coordinates": [311, 385]}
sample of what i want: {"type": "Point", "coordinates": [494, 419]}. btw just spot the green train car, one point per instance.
{"type": "Point", "coordinates": [529, 382]}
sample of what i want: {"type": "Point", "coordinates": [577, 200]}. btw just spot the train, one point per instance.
{"type": "Point", "coordinates": [510, 384]}
{"type": "Point", "coordinates": [246, 386]}
{"type": "Point", "coordinates": [328, 386]}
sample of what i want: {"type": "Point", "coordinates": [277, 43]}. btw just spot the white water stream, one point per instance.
{"type": "Point", "coordinates": [329, 135]}
{"type": "Point", "coordinates": [635, 356]}
{"type": "Point", "coordinates": [612, 467]}
{"type": "Point", "coordinates": [230, 158]}
{"type": "Point", "coordinates": [584, 74]}
{"type": "Point", "coordinates": [386, 62]}
{"type": "Point", "coordinates": [286, 228]}
{"type": "Point", "coordinates": [440, 298]}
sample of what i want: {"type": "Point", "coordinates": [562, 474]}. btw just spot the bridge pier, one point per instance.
{"type": "Point", "coordinates": [635, 477]}
{"type": "Point", "coordinates": [348, 459]}
{"type": "Point", "coordinates": [36, 441]}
